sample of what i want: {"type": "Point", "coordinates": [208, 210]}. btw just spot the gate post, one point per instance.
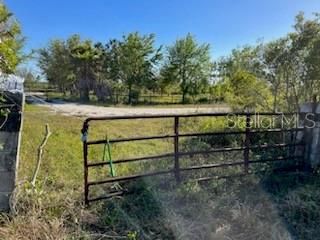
{"type": "Point", "coordinates": [84, 132]}
{"type": "Point", "coordinates": [10, 137]}
{"type": "Point", "coordinates": [176, 150]}
{"type": "Point", "coordinates": [309, 119]}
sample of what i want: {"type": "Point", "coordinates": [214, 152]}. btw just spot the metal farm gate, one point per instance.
{"type": "Point", "coordinates": [247, 133]}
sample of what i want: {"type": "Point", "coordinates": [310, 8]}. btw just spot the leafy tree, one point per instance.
{"type": "Point", "coordinates": [305, 43]}
{"type": "Point", "coordinates": [132, 61]}
{"type": "Point", "coordinates": [313, 63]}
{"type": "Point", "coordinates": [10, 41]}
{"type": "Point", "coordinates": [300, 86]}
{"type": "Point", "coordinates": [277, 67]}
{"type": "Point", "coordinates": [246, 92]}
{"type": "Point", "coordinates": [10, 46]}
{"type": "Point", "coordinates": [103, 86]}
{"type": "Point", "coordinates": [291, 64]}
{"type": "Point", "coordinates": [87, 61]}
{"type": "Point", "coordinates": [74, 65]}
{"type": "Point", "coordinates": [111, 68]}
{"type": "Point", "coordinates": [247, 58]}
{"type": "Point", "coordinates": [56, 63]}
{"type": "Point", "coordinates": [188, 64]}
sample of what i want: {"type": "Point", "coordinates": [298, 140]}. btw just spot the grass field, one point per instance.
{"type": "Point", "coordinates": [255, 207]}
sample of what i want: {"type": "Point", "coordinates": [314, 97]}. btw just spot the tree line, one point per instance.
{"type": "Point", "coordinates": [276, 75]}
{"type": "Point", "coordinates": [130, 65]}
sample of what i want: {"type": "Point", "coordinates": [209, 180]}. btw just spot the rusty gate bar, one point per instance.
{"type": "Point", "coordinates": [86, 186]}
{"type": "Point", "coordinates": [130, 139]}
{"type": "Point", "coordinates": [217, 150]}
{"type": "Point", "coordinates": [155, 157]}
{"type": "Point", "coordinates": [230, 164]}
{"type": "Point", "coordinates": [188, 115]}
{"type": "Point", "coordinates": [191, 135]}
{"type": "Point", "coordinates": [176, 154]}
{"type": "Point", "coordinates": [131, 177]}
{"type": "Point", "coordinates": [84, 132]}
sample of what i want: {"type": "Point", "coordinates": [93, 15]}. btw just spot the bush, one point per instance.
{"type": "Point", "coordinates": [134, 95]}
{"type": "Point", "coordinates": [203, 100]}
{"type": "Point", "coordinates": [217, 125]}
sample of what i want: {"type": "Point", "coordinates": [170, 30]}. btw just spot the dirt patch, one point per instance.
{"type": "Point", "coordinates": [83, 110]}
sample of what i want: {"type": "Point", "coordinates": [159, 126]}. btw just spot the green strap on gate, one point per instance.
{"type": "Point", "coordinates": [107, 149]}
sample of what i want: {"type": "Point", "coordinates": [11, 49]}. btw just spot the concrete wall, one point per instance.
{"type": "Point", "coordinates": [9, 153]}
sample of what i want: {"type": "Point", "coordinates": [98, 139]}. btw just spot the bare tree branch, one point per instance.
{"type": "Point", "coordinates": [40, 152]}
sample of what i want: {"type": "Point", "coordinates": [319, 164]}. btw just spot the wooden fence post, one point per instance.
{"type": "Point", "coordinates": [176, 150]}
{"type": "Point", "coordinates": [247, 144]}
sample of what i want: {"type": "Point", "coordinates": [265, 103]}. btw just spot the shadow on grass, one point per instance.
{"type": "Point", "coordinates": [297, 198]}
{"type": "Point", "coordinates": [138, 215]}
{"type": "Point", "coordinates": [275, 206]}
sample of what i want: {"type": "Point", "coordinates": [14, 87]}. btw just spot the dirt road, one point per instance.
{"type": "Point", "coordinates": [83, 110]}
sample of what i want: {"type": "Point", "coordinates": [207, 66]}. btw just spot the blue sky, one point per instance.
{"type": "Point", "coordinates": [225, 24]}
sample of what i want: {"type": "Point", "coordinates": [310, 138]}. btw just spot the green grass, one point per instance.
{"type": "Point", "coordinates": [268, 207]}
{"type": "Point", "coordinates": [63, 152]}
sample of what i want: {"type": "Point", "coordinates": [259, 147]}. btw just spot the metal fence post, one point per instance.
{"type": "Point", "coordinates": [176, 150]}
{"type": "Point", "coordinates": [86, 187]}
{"type": "Point", "coordinates": [247, 144]}
{"type": "Point", "coordinates": [84, 132]}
